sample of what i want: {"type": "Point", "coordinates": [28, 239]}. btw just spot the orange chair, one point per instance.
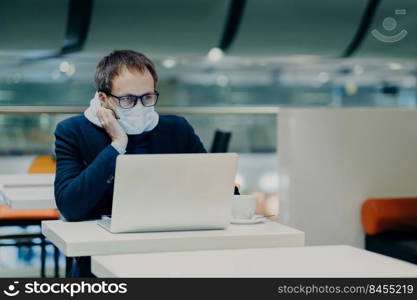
{"type": "Point", "coordinates": [44, 164]}
{"type": "Point", "coordinates": [12, 217]}
{"type": "Point", "coordinates": [389, 215]}
{"type": "Point", "coordinates": [390, 227]}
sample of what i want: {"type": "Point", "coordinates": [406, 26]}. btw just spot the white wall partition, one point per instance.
{"type": "Point", "coordinates": [331, 160]}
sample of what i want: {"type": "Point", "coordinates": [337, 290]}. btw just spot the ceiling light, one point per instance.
{"type": "Point", "coordinates": [169, 63]}
{"type": "Point", "coordinates": [64, 66]}
{"type": "Point", "coordinates": [215, 54]}
{"type": "Point", "coordinates": [395, 66]}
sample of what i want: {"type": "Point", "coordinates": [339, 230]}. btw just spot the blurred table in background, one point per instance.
{"type": "Point", "coordinates": [27, 191]}
{"type": "Point", "coordinates": [40, 197]}
{"type": "Point", "coordinates": [26, 180]}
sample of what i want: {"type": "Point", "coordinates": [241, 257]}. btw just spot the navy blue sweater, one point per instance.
{"type": "Point", "coordinates": [139, 143]}
{"type": "Point", "coordinates": [86, 165]}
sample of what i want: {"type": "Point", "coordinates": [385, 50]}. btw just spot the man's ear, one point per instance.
{"type": "Point", "coordinates": [102, 98]}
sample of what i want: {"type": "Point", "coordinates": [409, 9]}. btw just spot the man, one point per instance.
{"type": "Point", "coordinates": [121, 119]}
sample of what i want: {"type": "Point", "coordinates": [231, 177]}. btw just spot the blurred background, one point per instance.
{"type": "Point", "coordinates": [226, 65]}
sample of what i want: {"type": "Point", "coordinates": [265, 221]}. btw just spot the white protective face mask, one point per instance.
{"type": "Point", "coordinates": [135, 120]}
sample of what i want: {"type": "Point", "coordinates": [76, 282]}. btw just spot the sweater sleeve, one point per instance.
{"type": "Point", "coordinates": [79, 188]}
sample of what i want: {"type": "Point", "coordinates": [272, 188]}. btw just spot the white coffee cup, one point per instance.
{"type": "Point", "coordinates": [244, 206]}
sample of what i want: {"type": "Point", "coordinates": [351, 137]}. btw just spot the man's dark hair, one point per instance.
{"type": "Point", "coordinates": [111, 65]}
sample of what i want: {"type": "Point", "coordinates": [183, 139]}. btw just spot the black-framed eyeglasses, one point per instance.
{"type": "Point", "coordinates": [130, 101]}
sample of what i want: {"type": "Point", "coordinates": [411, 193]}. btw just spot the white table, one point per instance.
{"type": "Point", "coordinates": [87, 238]}
{"type": "Point", "coordinates": [26, 180]}
{"type": "Point", "coordinates": [32, 197]}
{"type": "Point", "coordinates": [317, 261]}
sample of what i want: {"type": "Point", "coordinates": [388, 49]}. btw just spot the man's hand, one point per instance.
{"type": "Point", "coordinates": [108, 120]}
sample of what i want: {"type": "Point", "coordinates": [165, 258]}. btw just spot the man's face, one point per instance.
{"type": "Point", "coordinates": [129, 82]}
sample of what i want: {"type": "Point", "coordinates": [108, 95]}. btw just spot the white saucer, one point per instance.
{"type": "Point", "coordinates": [254, 220]}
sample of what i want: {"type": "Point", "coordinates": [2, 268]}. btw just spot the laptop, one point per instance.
{"type": "Point", "coordinates": [167, 192]}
